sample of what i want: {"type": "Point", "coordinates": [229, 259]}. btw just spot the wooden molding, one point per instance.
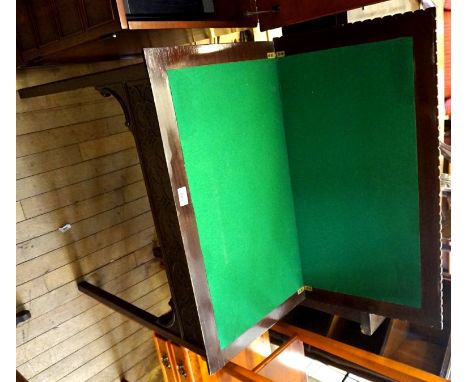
{"type": "Point", "coordinates": [122, 14]}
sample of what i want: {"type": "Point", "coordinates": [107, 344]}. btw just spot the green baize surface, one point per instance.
{"type": "Point", "coordinates": [303, 171]}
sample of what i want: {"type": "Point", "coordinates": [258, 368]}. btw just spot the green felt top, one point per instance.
{"type": "Point", "coordinates": [303, 170]}
{"type": "Point", "coordinates": [351, 134]}
{"type": "Point", "coordinates": [231, 130]}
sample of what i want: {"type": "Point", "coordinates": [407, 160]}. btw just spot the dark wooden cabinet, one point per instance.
{"type": "Point", "coordinates": [284, 13]}
{"type": "Point", "coordinates": [249, 150]}
{"type": "Point", "coordinates": [268, 14]}
{"type": "Point", "coordinates": [46, 27]}
{"type": "Point", "coordinates": [137, 14]}
{"type": "Point", "coordinates": [51, 32]}
{"type": "Point", "coordinates": [71, 31]}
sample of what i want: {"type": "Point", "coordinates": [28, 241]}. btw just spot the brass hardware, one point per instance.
{"type": "Point", "coordinates": [181, 369]}
{"type": "Point", "coordinates": [305, 288]}
{"type": "Point", "coordinates": [278, 54]}
{"type": "Point", "coordinates": [165, 361]}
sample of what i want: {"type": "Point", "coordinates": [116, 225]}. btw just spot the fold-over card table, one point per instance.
{"type": "Point", "coordinates": [304, 169]}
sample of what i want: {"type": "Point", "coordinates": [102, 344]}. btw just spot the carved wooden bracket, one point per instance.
{"type": "Point", "coordinates": [137, 102]}
{"type": "Point", "coordinates": [131, 87]}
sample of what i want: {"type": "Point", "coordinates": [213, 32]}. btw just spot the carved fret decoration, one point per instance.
{"type": "Point", "coordinates": [119, 93]}
{"type": "Point", "coordinates": [136, 99]}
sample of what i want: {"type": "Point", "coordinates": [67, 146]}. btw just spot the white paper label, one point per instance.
{"type": "Point", "coordinates": [183, 198]}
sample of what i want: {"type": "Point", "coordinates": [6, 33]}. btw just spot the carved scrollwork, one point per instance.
{"type": "Point", "coordinates": [118, 92]}
{"type": "Point", "coordinates": [136, 99]}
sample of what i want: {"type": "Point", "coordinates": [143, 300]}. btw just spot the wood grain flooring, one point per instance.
{"type": "Point", "coordinates": [77, 164]}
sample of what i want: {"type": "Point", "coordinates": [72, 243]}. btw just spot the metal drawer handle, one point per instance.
{"type": "Point", "coordinates": [181, 369]}
{"type": "Point", "coordinates": [165, 361]}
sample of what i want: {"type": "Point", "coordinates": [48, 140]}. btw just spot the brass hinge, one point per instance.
{"type": "Point", "coordinates": [278, 54]}
{"type": "Point", "coordinates": [304, 289]}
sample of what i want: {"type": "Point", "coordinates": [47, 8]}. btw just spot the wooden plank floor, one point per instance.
{"type": "Point", "coordinates": [77, 164]}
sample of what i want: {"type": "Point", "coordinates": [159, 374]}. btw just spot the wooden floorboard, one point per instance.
{"type": "Point", "coordinates": [126, 362]}
{"type": "Point", "coordinates": [52, 260]}
{"type": "Point", "coordinates": [141, 369]}
{"type": "Point", "coordinates": [104, 257]}
{"type": "Point", "coordinates": [52, 221]}
{"type": "Point", "coordinates": [40, 120]}
{"type": "Point", "coordinates": [148, 370]}
{"type": "Point", "coordinates": [68, 135]}
{"type": "Point", "coordinates": [43, 323]}
{"type": "Point", "coordinates": [69, 291]}
{"type": "Point", "coordinates": [100, 362]}
{"type": "Point", "coordinates": [79, 339]}
{"type": "Point", "coordinates": [46, 161]}
{"type": "Point", "coordinates": [45, 243]}
{"type": "Point", "coordinates": [107, 145]}
{"type": "Point", "coordinates": [69, 175]}
{"type": "Point", "coordinates": [62, 326]}
{"type": "Point", "coordinates": [85, 95]}
{"type": "Point", "coordinates": [77, 164]}
{"type": "Point", "coordinates": [19, 212]}
{"type": "Point", "coordinates": [48, 201]}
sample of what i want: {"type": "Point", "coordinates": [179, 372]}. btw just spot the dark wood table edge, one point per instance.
{"type": "Point", "coordinates": [416, 25]}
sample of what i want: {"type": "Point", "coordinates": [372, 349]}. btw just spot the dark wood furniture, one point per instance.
{"type": "Point", "coordinates": [268, 13]}
{"type": "Point", "coordinates": [69, 31]}
{"type": "Point", "coordinates": [259, 363]}
{"type": "Point", "coordinates": [186, 14]}
{"type": "Point", "coordinates": [143, 91]}
{"type": "Point", "coordinates": [45, 28]}
{"type": "Point", "coordinates": [19, 377]}
{"type": "Point", "coordinates": [419, 346]}
{"type": "Point", "coordinates": [381, 367]}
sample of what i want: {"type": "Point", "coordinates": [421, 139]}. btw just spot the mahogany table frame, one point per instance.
{"type": "Point", "coordinates": [191, 320]}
